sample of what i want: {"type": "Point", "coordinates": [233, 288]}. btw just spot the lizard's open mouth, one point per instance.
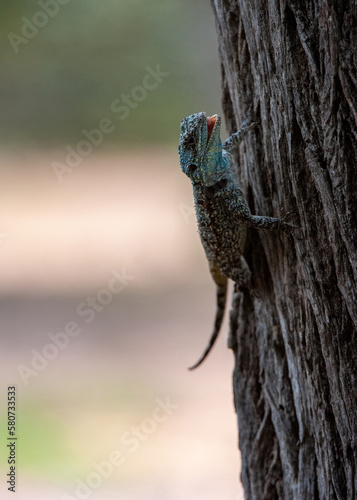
{"type": "Point", "coordinates": [211, 122]}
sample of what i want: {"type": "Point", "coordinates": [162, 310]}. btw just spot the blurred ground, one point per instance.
{"type": "Point", "coordinates": [60, 242]}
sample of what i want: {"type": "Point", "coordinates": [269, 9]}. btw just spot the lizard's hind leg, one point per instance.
{"type": "Point", "coordinates": [241, 276]}
{"type": "Point", "coordinates": [240, 273]}
{"type": "Point", "coordinates": [221, 294]}
{"type": "Point", "coordinates": [232, 143]}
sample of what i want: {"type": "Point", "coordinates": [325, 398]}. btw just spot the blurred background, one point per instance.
{"type": "Point", "coordinates": [106, 296]}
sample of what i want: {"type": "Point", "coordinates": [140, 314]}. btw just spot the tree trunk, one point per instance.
{"type": "Point", "coordinates": [292, 65]}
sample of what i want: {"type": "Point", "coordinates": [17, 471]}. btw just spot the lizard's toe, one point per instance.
{"type": "Point", "coordinates": [249, 124]}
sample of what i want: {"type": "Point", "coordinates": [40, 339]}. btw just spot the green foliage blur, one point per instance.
{"type": "Point", "coordinates": [64, 78]}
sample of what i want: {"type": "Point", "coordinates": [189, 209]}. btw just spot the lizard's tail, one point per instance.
{"type": "Point", "coordinates": [221, 305]}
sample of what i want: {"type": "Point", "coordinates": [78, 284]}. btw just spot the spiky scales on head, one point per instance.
{"type": "Point", "coordinates": [200, 149]}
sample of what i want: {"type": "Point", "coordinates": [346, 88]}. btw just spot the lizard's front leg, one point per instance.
{"type": "Point", "coordinates": [232, 143]}
{"type": "Point", "coordinates": [268, 223]}
{"type": "Point", "coordinates": [221, 293]}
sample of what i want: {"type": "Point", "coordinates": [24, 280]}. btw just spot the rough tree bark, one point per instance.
{"type": "Point", "coordinates": [293, 65]}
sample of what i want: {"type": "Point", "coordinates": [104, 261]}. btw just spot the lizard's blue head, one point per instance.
{"type": "Point", "coordinates": [200, 148]}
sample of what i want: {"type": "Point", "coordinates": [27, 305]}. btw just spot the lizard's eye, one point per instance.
{"type": "Point", "coordinates": [191, 168]}
{"type": "Point", "coordinates": [190, 141]}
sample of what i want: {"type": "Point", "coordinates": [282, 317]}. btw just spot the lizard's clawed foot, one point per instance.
{"type": "Point", "coordinates": [254, 294]}
{"type": "Point", "coordinates": [288, 215]}
{"type": "Point", "coordinates": [249, 124]}
{"type": "Point", "coordinates": [287, 227]}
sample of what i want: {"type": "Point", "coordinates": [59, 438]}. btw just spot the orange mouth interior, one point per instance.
{"type": "Point", "coordinates": [211, 122]}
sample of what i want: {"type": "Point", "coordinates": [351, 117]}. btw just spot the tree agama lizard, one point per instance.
{"type": "Point", "coordinates": [221, 209]}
